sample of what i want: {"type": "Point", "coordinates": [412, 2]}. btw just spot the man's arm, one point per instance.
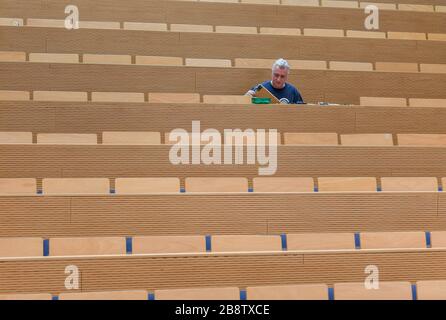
{"type": "Point", "coordinates": [298, 98]}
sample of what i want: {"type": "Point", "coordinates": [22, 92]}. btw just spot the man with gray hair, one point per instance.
{"type": "Point", "coordinates": [278, 86]}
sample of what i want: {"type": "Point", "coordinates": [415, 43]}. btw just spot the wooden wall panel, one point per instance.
{"type": "Point", "coordinates": [314, 85]}
{"type": "Point", "coordinates": [17, 161]}
{"type": "Point", "coordinates": [242, 270]}
{"type": "Point", "coordinates": [220, 214]}
{"type": "Point", "coordinates": [218, 46]}
{"type": "Point", "coordinates": [224, 14]}
{"type": "Point", "coordinates": [75, 117]}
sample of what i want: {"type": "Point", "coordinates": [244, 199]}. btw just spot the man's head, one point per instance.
{"type": "Point", "coordinates": [281, 69]}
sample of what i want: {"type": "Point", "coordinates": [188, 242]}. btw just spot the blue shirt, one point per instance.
{"type": "Point", "coordinates": [287, 95]}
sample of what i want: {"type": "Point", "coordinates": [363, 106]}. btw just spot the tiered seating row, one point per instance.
{"type": "Point", "coordinates": [94, 246]}
{"type": "Point", "coordinates": [159, 272]}
{"type": "Point", "coordinates": [183, 98]}
{"type": "Point", "coordinates": [245, 16]}
{"type": "Point", "coordinates": [315, 85]}
{"type": "Point", "coordinates": [220, 214]}
{"type": "Point", "coordinates": [401, 102]}
{"type": "Point", "coordinates": [421, 290]}
{"type": "Point", "coordinates": [243, 139]}
{"type": "Point", "coordinates": [96, 117]}
{"type": "Point", "coordinates": [276, 31]}
{"type": "Point", "coordinates": [56, 161]}
{"type": "Point", "coordinates": [186, 98]}
{"type": "Point", "coordinates": [101, 186]}
{"type": "Point", "coordinates": [172, 47]}
{"type": "Point", "coordinates": [417, 5]}
{"type": "Point", "coordinates": [408, 5]}
{"type": "Point", "coordinates": [11, 56]}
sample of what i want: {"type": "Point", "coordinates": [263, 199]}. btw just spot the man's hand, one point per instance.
{"type": "Point", "coordinates": [251, 93]}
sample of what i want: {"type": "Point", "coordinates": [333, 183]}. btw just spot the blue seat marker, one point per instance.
{"type": "Point", "coordinates": [414, 292]}
{"type": "Point", "coordinates": [330, 293]}
{"type": "Point", "coordinates": [151, 296]}
{"type": "Point", "coordinates": [243, 295]}
{"type": "Point", "coordinates": [357, 240]}
{"type": "Point", "coordinates": [129, 245]}
{"type": "Point", "coordinates": [46, 247]}
{"type": "Point", "coordinates": [208, 244]}
{"type": "Point", "coordinates": [428, 240]}
{"type": "Point", "coordinates": [284, 242]}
